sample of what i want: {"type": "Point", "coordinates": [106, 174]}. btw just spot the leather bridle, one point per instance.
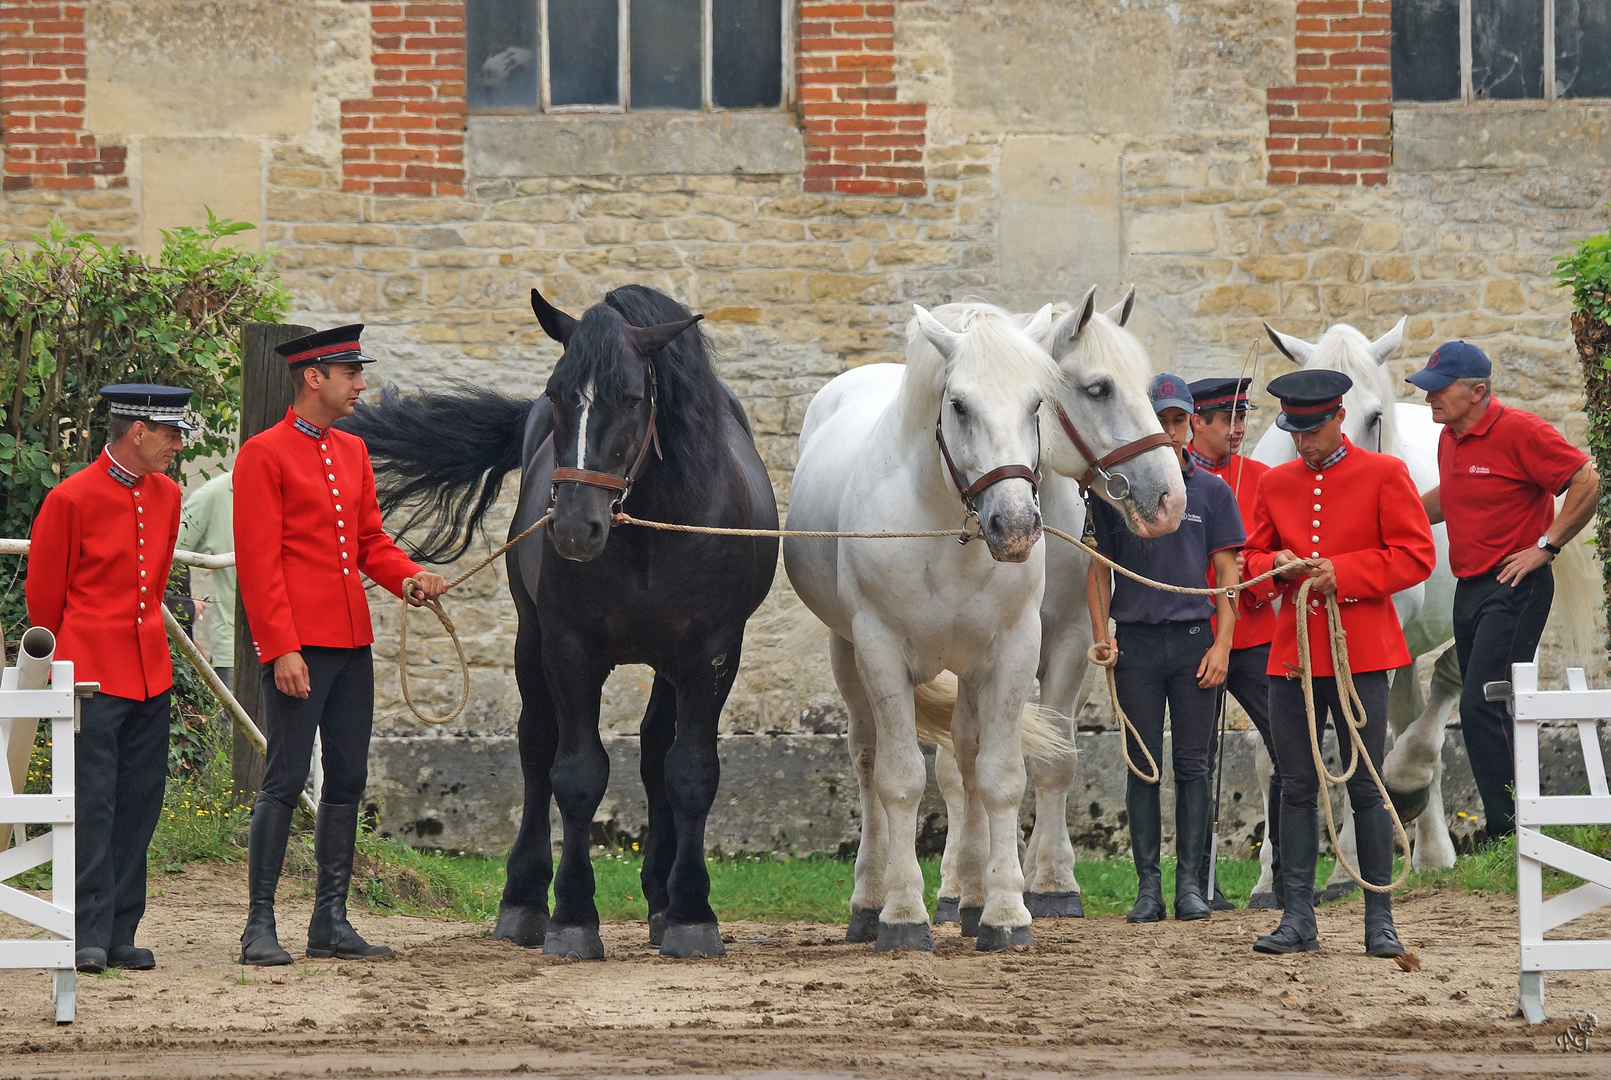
{"type": "Point", "coordinates": [1100, 467]}
{"type": "Point", "coordinates": [621, 485]}
{"type": "Point", "coordinates": [970, 492]}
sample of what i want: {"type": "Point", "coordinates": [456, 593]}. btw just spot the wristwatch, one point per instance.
{"type": "Point", "coordinates": [1545, 545]}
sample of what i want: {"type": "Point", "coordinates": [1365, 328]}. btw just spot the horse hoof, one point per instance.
{"type": "Point", "coordinates": [525, 926]}
{"type": "Point", "coordinates": [1409, 804]}
{"type": "Point", "coordinates": [1054, 905]}
{"type": "Point", "coordinates": [863, 926]}
{"type": "Point", "coordinates": [1263, 901]}
{"type": "Point", "coordinates": [896, 936]}
{"type": "Point", "coordinates": [945, 910]}
{"type": "Point", "coordinates": [692, 941]}
{"type": "Point", "coordinates": [970, 920]}
{"type": "Point", "coordinates": [1336, 892]}
{"type": "Point", "coordinates": [657, 928]}
{"type": "Point", "coordinates": [573, 942]}
{"type": "Point", "coordinates": [996, 938]}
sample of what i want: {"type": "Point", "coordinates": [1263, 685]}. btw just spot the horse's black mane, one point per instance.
{"type": "Point", "coordinates": [692, 401]}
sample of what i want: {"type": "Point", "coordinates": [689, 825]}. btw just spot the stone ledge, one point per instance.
{"type": "Point", "coordinates": [1487, 135]}
{"type": "Point", "coordinates": [636, 144]}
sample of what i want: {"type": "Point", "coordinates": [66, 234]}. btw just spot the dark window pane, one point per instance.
{"type": "Point", "coordinates": [501, 53]}
{"type": "Point", "coordinates": [666, 39]}
{"type": "Point", "coordinates": [1582, 48]}
{"type": "Point", "coordinates": [746, 53]}
{"type": "Point", "coordinates": [1426, 50]}
{"type": "Point", "coordinates": [584, 52]}
{"type": "Point", "coordinates": [1507, 48]}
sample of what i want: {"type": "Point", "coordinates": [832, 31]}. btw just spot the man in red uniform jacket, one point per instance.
{"type": "Point", "coordinates": [97, 567]}
{"type": "Point", "coordinates": [1218, 426]}
{"type": "Point", "coordinates": [1351, 520]}
{"type": "Point", "coordinates": [307, 530]}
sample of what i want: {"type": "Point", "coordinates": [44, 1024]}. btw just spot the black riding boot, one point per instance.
{"type": "Point", "coordinates": [1192, 811]}
{"type": "Point", "coordinates": [1373, 834]}
{"type": "Point", "coordinates": [1300, 848]}
{"type": "Point", "coordinates": [330, 934]}
{"type": "Point", "coordinates": [1146, 845]}
{"type": "Point", "coordinates": [265, 856]}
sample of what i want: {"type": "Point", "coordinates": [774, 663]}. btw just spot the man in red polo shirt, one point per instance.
{"type": "Point", "coordinates": [1217, 429]}
{"type": "Point", "coordinates": [1350, 520]}
{"type": "Point", "coordinates": [307, 530]}
{"type": "Point", "coordinates": [98, 565]}
{"type": "Point", "coordinates": [1499, 470]}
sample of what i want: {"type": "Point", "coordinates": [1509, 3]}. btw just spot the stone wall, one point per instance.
{"type": "Point", "coordinates": [1028, 148]}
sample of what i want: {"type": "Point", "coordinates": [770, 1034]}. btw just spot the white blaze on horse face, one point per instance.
{"type": "Point", "coordinates": [581, 426]}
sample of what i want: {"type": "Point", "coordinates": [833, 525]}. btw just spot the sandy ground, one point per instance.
{"type": "Point", "coordinates": [1093, 997]}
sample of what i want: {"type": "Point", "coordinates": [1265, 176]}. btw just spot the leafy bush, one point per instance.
{"type": "Point", "coordinates": [1588, 271]}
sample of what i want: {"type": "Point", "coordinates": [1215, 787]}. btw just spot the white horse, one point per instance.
{"type": "Point", "coordinates": [889, 448]}
{"type": "Point", "coordinates": [1413, 768]}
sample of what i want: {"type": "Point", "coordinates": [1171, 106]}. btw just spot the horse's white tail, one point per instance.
{"type": "Point", "coordinates": [1043, 738]}
{"type": "Point", "coordinates": [1579, 601]}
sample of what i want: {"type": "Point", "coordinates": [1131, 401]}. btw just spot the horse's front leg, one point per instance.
{"type": "Point", "coordinates": [899, 777]}
{"type": "Point", "coordinates": [1264, 894]}
{"type": "Point", "coordinates": [948, 906]}
{"type": "Point", "coordinates": [969, 830]}
{"type": "Point", "coordinates": [1051, 890]}
{"type": "Point", "coordinates": [580, 775]}
{"type": "Point", "coordinates": [867, 895]}
{"type": "Point", "coordinates": [523, 912]}
{"type": "Point", "coordinates": [999, 706]}
{"type": "Point", "coordinates": [655, 737]}
{"type": "Point", "coordinates": [1417, 743]}
{"type": "Point", "coordinates": [693, 772]}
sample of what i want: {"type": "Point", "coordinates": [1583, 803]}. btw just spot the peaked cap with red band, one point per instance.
{"type": "Point", "coordinates": [1221, 395]}
{"type": "Point", "coordinates": [1309, 398]}
{"type": "Point", "coordinates": [338, 346]}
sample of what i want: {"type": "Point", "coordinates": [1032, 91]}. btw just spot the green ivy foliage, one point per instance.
{"type": "Point", "coordinates": [1588, 272]}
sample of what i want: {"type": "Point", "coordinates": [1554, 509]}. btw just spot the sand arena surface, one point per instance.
{"type": "Point", "coordinates": [1094, 997]}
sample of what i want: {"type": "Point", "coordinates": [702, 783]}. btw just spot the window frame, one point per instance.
{"type": "Point", "coordinates": [1467, 91]}
{"type": "Point", "coordinates": [545, 105]}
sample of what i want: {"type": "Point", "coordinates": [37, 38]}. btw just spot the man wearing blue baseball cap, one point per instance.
{"type": "Point", "coordinates": [1173, 650]}
{"type": "Point", "coordinates": [1499, 470]}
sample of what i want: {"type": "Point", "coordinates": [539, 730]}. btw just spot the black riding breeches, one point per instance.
{"type": "Point", "coordinates": [1294, 757]}
{"type": "Point", "coordinates": [1158, 667]}
{"type": "Point", "coordinates": [340, 706]}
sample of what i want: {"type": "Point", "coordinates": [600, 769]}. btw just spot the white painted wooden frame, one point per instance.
{"type": "Point", "coordinates": [19, 709]}
{"type": "Point", "coordinates": [1468, 90]}
{"type": "Point", "coordinates": [1534, 850]}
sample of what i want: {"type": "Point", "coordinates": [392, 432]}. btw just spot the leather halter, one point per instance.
{"type": "Point", "coordinates": [609, 481]}
{"type": "Point", "coordinates": [970, 492]}
{"type": "Point", "coordinates": [1101, 466]}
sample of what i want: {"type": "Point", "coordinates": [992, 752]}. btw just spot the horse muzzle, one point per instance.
{"type": "Point", "coordinates": [579, 521]}
{"type": "Point", "coordinates": [1009, 523]}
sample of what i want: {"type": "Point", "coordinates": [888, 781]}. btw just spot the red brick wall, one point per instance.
{"type": "Point", "coordinates": [409, 138]}
{"type": "Point", "coordinates": [859, 140]}
{"type": "Point", "coordinates": [42, 80]}
{"type": "Point", "coordinates": [1336, 125]}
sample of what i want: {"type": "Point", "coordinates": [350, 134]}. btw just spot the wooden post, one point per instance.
{"type": "Point", "coordinates": [266, 392]}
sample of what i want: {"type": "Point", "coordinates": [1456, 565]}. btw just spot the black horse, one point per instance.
{"type": "Point", "coordinates": [634, 414]}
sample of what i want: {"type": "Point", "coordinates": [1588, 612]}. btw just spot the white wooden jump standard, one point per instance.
{"type": "Point", "coordinates": [20, 710]}
{"type": "Point", "coordinates": [1534, 850]}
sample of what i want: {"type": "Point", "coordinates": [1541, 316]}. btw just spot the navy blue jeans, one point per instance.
{"type": "Point", "coordinates": [1157, 668]}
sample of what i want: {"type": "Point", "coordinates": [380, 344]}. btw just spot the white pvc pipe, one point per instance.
{"type": "Point", "coordinates": [187, 558]}
{"type": "Point", "coordinates": [34, 656]}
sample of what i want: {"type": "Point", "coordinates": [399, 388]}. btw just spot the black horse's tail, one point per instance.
{"type": "Point", "coordinates": [441, 458]}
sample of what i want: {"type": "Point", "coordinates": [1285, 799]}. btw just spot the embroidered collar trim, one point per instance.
{"type": "Point", "coordinates": [119, 473]}
{"type": "Point", "coordinates": [306, 428]}
{"type": "Point", "coordinates": [1206, 462]}
{"type": "Point", "coordinates": [1329, 460]}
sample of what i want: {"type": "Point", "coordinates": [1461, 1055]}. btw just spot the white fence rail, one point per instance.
{"type": "Point", "coordinates": [53, 948]}
{"type": "Point", "coordinates": [1534, 850]}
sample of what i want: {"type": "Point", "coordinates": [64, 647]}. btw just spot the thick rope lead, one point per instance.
{"type": "Point", "coordinates": [1353, 722]}
{"type": "Point", "coordinates": [1106, 656]}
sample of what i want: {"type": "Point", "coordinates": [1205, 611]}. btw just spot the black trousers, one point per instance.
{"type": "Point", "coordinates": [1289, 730]}
{"type": "Point", "coordinates": [1495, 626]}
{"type": "Point", "coordinates": [1246, 681]}
{"type": "Point", "coordinates": [121, 768]}
{"type": "Point", "coordinates": [340, 707]}
{"type": "Point", "coordinates": [1158, 667]}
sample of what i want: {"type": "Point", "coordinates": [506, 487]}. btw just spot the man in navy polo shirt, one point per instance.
{"type": "Point", "coordinates": [1170, 654]}
{"type": "Point", "coordinates": [1499, 471]}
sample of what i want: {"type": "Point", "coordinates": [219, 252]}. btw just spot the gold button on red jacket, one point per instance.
{"type": "Point", "coordinates": [307, 532]}
{"type": "Point", "coordinates": [97, 569]}
{"type": "Point", "coordinates": [1364, 514]}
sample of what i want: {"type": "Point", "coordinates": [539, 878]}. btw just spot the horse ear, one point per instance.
{"type": "Point", "coordinates": [556, 324]}
{"type": "Point", "coordinates": [1073, 325]}
{"type": "Point", "coordinates": [1388, 343]}
{"type": "Point", "coordinates": [1036, 327]}
{"type": "Point", "coordinates": [945, 340]}
{"type": "Point", "coordinates": [1295, 349]}
{"type": "Point", "coordinates": [648, 340]}
{"type": "Point", "coordinates": [1120, 312]}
